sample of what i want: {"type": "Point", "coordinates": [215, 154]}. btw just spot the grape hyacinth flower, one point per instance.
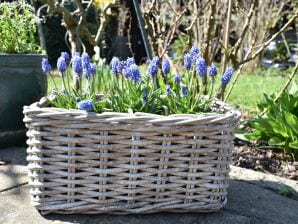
{"type": "Point", "coordinates": [165, 67]}
{"type": "Point", "coordinates": [226, 77]}
{"type": "Point", "coordinates": [212, 70]}
{"type": "Point", "coordinates": [187, 61]}
{"type": "Point", "coordinates": [125, 71]}
{"type": "Point", "coordinates": [61, 65]}
{"type": "Point", "coordinates": [115, 65]}
{"type": "Point", "coordinates": [152, 68]}
{"type": "Point", "coordinates": [184, 90]}
{"type": "Point", "coordinates": [76, 53]}
{"type": "Point", "coordinates": [66, 56]}
{"type": "Point", "coordinates": [120, 66]}
{"type": "Point", "coordinates": [86, 105]}
{"type": "Point", "coordinates": [194, 53]}
{"type": "Point", "coordinates": [45, 66]}
{"type": "Point", "coordinates": [201, 67]}
{"type": "Point", "coordinates": [134, 72]}
{"type": "Point", "coordinates": [155, 60]}
{"type": "Point", "coordinates": [77, 66]}
{"type": "Point", "coordinates": [177, 78]}
{"type": "Point", "coordinates": [86, 65]}
{"type": "Point", "coordinates": [130, 61]}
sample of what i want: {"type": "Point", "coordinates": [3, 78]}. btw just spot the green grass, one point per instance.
{"type": "Point", "coordinates": [248, 90]}
{"type": "Point", "coordinates": [251, 86]}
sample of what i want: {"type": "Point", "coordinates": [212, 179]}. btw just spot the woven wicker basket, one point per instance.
{"type": "Point", "coordinates": [125, 163]}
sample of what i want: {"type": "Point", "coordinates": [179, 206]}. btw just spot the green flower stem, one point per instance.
{"type": "Point", "coordinates": [63, 83]}
{"type": "Point", "coordinates": [204, 85]}
{"type": "Point", "coordinates": [197, 86]}
{"type": "Point", "coordinates": [67, 77]}
{"type": "Point", "coordinates": [50, 74]}
{"type": "Point", "coordinates": [212, 85]}
{"type": "Point", "coordinates": [77, 84]}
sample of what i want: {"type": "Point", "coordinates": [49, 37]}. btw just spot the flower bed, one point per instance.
{"type": "Point", "coordinates": [121, 163]}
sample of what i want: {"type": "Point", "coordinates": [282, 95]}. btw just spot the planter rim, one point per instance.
{"type": "Point", "coordinates": [21, 60]}
{"type": "Point", "coordinates": [20, 54]}
{"type": "Point", "coordinates": [221, 111]}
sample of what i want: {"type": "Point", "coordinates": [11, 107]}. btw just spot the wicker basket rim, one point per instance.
{"type": "Point", "coordinates": [227, 112]}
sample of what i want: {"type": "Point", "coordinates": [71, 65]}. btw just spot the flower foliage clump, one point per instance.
{"type": "Point", "coordinates": [159, 87]}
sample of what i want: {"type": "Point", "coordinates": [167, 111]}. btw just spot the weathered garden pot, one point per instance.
{"type": "Point", "coordinates": [22, 82]}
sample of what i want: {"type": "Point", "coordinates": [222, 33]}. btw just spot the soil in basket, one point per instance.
{"type": "Point", "coordinates": [264, 160]}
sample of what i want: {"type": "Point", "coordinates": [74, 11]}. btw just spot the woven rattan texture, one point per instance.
{"type": "Point", "coordinates": [124, 163]}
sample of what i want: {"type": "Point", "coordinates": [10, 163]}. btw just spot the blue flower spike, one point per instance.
{"type": "Point", "coordinates": [226, 77]}
{"type": "Point", "coordinates": [45, 66]}
{"type": "Point", "coordinates": [165, 66]}
{"type": "Point", "coordinates": [86, 105]}
{"type": "Point", "coordinates": [201, 67]}
{"type": "Point", "coordinates": [212, 70]}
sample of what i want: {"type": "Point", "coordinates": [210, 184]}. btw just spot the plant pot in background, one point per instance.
{"type": "Point", "coordinates": [22, 82]}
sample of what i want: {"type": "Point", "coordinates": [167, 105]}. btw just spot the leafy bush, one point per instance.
{"type": "Point", "coordinates": [279, 125]}
{"type": "Point", "coordinates": [18, 28]}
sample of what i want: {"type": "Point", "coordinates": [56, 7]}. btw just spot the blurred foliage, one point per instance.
{"type": "Point", "coordinates": [18, 29]}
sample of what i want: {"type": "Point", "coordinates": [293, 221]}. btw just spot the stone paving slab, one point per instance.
{"type": "Point", "coordinates": [15, 208]}
{"type": "Point", "coordinates": [247, 203]}
{"type": "Point", "coordinates": [12, 176]}
{"type": "Point", "coordinates": [276, 183]}
{"type": "Point", "coordinates": [250, 200]}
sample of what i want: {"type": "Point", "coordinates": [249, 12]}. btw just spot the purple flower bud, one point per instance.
{"type": "Point", "coordinates": [134, 72]}
{"type": "Point", "coordinates": [130, 61]}
{"type": "Point", "coordinates": [226, 77]}
{"type": "Point", "coordinates": [86, 105]}
{"type": "Point", "coordinates": [86, 65]}
{"type": "Point", "coordinates": [201, 67]}
{"type": "Point", "coordinates": [152, 68]}
{"type": "Point", "coordinates": [45, 65]}
{"type": "Point", "coordinates": [115, 65]}
{"type": "Point", "coordinates": [165, 67]}
{"type": "Point", "coordinates": [61, 64]}
{"type": "Point", "coordinates": [177, 78]}
{"type": "Point", "coordinates": [76, 53]}
{"type": "Point", "coordinates": [212, 70]}
{"type": "Point", "coordinates": [66, 56]}
{"type": "Point", "coordinates": [86, 58]}
{"type": "Point", "coordinates": [77, 66]}
{"type": "Point", "coordinates": [194, 53]}
{"type": "Point", "coordinates": [184, 90]}
{"type": "Point", "coordinates": [187, 61]}
{"type": "Point", "coordinates": [155, 60]}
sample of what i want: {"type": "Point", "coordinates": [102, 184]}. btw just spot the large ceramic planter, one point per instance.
{"type": "Point", "coordinates": [22, 82]}
{"type": "Point", "coordinates": [124, 163]}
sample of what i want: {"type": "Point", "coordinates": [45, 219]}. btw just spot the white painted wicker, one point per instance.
{"type": "Point", "coordinates": [125, 163]}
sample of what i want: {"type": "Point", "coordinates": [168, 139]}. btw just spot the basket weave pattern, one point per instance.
{"type": "Point", "coordinates": [124, 163]}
